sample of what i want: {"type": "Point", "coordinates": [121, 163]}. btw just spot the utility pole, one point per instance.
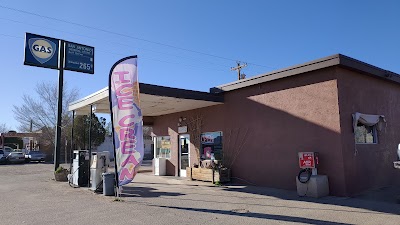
{"type": "Point", "coordinates": [238, 68]}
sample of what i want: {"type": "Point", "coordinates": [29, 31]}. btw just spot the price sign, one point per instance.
{"type": "Point", "coordinates": [79, 58]}
{"type": "Point", "coordinates": [307, 160]}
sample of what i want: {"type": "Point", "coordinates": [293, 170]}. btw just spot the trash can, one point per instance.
{"type": "Point", "coordinates": [108, 184]}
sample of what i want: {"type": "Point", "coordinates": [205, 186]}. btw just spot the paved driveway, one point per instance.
{"type": "Point", "coordinates": [28, 195]}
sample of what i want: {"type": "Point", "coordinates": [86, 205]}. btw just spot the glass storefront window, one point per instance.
{"type": "Point", "coordinates": [162, 147]}
{"type": "Point", "coordinates": [211, 145]}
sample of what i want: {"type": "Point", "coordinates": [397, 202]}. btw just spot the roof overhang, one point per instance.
{"type": "Point", "coordinates": [334, 60]}
{"type": "Point", "coordinates": [154, 100]}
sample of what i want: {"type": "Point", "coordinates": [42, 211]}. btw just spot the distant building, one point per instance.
{"type": "Point", "coordinates": [30, 140]}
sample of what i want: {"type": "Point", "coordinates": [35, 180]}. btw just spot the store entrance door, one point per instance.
{"type": "Point", "coordinates": [184, 153]}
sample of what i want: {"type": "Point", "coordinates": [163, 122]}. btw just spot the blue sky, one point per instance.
{"type": "Point", "coordinates": [267, 35]}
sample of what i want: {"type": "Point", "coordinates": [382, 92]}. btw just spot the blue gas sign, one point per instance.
{"type": "Point", "coordinates": [41, 51]}
{"type": "Point", "coordinates": [79, 58]}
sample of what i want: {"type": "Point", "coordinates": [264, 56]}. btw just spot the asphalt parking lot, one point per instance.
{"type": "Point", "coordinates": [29, 195]}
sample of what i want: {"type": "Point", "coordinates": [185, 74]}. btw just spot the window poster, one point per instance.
{"type": "Point", "coordinates": [211, 145]}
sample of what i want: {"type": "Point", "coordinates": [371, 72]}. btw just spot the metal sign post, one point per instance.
{"type": "Point", "coordinates": [58, 54]}
{"type": "Point", "coordinates": [59, 106]}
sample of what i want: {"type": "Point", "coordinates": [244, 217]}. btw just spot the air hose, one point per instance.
{"type": "Point", "coordinates": [304, 175]}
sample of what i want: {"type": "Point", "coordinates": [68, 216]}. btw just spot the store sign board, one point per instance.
{"type": "Point", "coordinates": [41, 51]}
{"type": "Point", "coordinates": [79, 58]}
{"type": "Point", "coordinates": [182, 130]}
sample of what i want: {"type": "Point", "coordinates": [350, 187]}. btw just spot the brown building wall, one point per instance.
{"type": "Point", "coordinates": [284, 117]}
{"type": "Point", "coordinates": [265, 126]}
{"type": "Point", "coordinates": [368, 165]}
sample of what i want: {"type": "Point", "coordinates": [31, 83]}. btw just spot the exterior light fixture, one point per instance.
{"type": "Point", "coordinates": [94, 108]}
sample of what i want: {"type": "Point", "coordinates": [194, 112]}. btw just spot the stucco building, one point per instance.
{"type": "Point", "coordinates": [259, 124]}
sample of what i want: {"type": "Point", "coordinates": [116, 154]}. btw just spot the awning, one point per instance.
{"type": "Point", "coordinates": [154, 100]}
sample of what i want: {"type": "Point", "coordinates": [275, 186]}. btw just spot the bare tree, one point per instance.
{"type": "Point", "coordinates": [41, 112]}
{"type": "Point", "coordinates": [4, 128]}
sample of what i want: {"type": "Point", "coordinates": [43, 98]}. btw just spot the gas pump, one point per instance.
{"type": "Point", "coordinates": [99, 165]}
{"type": "Point", "coordinates": [80, 168]}
{"type": "Point", "coordinates": [308, 182]}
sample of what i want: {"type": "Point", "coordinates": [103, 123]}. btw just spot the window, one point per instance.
{"type": "Point", "coordinates": [211, 145]}
{"type": "Point", "coordinates": [365, 134]}
{"type": "Point", "coordinates": [365, 127]}
{"type": "Point", "coordinates": [162, 147]}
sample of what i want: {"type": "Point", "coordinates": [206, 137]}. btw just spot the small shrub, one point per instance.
{"type": "Point", "coordinates": [118, 200]}
{"type": "Point", "coordinates": [60, 169]}
{"type": "Point", "coordinates": [217, 183]}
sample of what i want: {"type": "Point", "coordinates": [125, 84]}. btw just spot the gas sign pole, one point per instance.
{"type": "Point", "coordinates": [61, 55]}
{"type": "Point", "coordinates": [59, 106]}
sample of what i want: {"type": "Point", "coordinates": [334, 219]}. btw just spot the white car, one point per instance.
{"type": "Point", "coordinates": [16, 157]}
{"type": "Point", "coordinates": [7, 150]}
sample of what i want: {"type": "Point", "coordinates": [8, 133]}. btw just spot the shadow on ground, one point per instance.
{"type": "Point", "coordinates": [360, 202]}
{"type": "Point", "coordinates": [146, 192]}
{"type": "Point", "coordinates": [245, 213]}
{"type": "Point", "coordinates": [369, 201]}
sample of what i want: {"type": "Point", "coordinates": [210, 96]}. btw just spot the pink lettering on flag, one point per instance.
{"type": "Point", "coordinates": [122, 121]}
{"type": "Point", "coordinates": [127, 119]}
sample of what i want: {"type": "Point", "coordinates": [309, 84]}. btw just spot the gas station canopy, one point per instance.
{"type": "Point", "coordinates": [154, 100]}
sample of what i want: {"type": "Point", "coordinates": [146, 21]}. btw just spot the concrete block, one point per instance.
{"type": "Point", "coordinates": [160, 168]}
{"type": "Point", "coordinates": [316, 187]}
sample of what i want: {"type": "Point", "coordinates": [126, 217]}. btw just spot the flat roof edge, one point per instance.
{"type": "Point", "coordinates": [357, 65]}
{"type": "Point", "coordinates": [151, 89]}
{"type": "Point", "coordinates": [90, 96]}
{"type": "Point", "coordinates": [278, 74]}
{"type": "Point", "coordinates": [179, 93]}
{"type": "Point", "coordinates": [333, 60]}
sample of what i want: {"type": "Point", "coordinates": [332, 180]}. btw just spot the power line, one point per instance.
{"type": "Point", "coordinates": [7, 35]}
{"type": "Point", "coordinates": [163, 61]}
{"type": "Point", "coordinates": [124, 35]}
{"type": "Point", "coordinates": [106, 40]}
{"type": "Point", "coordinates": [143, 57]}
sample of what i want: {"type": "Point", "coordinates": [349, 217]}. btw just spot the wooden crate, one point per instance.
{"type": "Point", "coordinates": [203, 174]}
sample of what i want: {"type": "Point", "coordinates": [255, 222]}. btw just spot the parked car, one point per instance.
{"type": "Point", "coordinates": [16, 157]}
{"type": "Point", "coordinates": [3, 158]}
{"type": "Point", "coordinates": [7, 150]}
{"type": "Point", "coordinates": [35, 156]}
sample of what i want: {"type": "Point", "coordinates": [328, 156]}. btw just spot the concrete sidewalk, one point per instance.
{"type": "Point", "coordinates": [29, 195]}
